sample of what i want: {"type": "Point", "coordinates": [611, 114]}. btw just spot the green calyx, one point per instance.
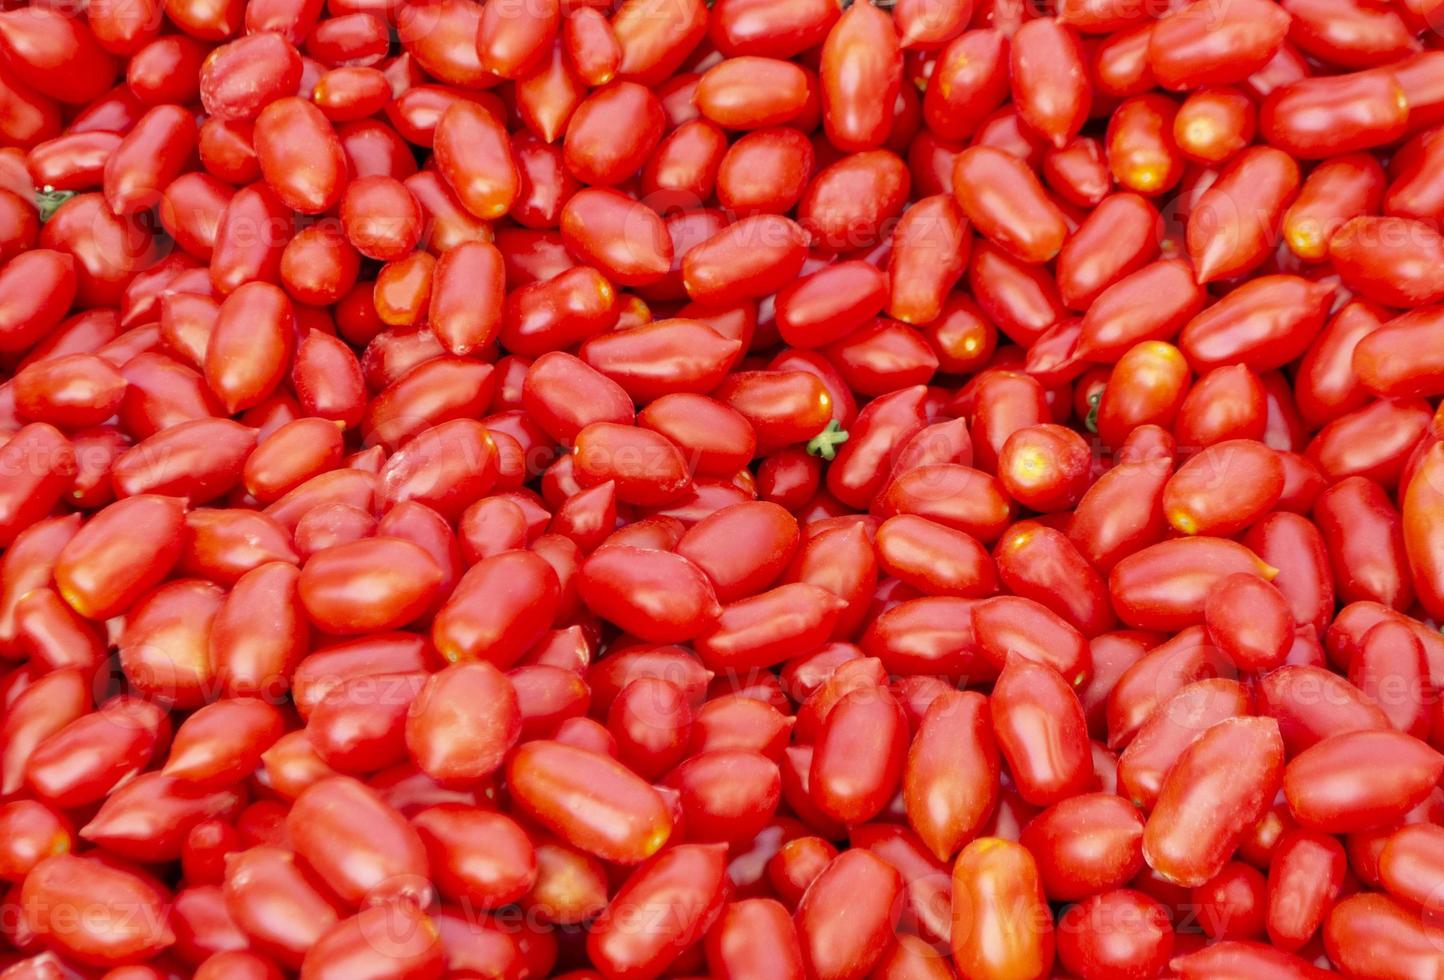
{"type": "Point", "coordinates": [48, 201]}
{"type": "Point", "coordinates": [1091, 422]}
{"type": "Point", "coordinates": [825, 443]}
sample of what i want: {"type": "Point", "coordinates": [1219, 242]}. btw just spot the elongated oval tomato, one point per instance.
{"type": "Point", "coordinates": [462, 722]}
{"type": "Point", "coordinates": [36, 289]}
{"type": "Point", "coordinates": [1000, 925]}
{"type": "Point", "coordinates": [1314, 118]}
{"type": "Point", "coordinates": [398, 936]}
{"type": "Point", "coordinates": [223, 742]}
{"type": "Point", "coordinates": [250, 660]}
{"type": "Point", "coordinates": [361, 847]}
{"type": "Point", "coordinates": [749, 93]}
{"type": "Point", "coordinates": [1213, 795]}
{"type": "Point", "coordinates": [846, 918]}
{"type": "Point", "coordinates": [473, 154]}
{"type": "Point", "coordinates": [588, 800]}
{"type": "Point", "coordinates": [1191, 497]}
{"type": "Point", "coordinates": [1306, 872]}
{"type": "Point", "coordinates": [767, 628]}
{"type": "Point", "coordinates": [623, 237]}
{"type": "Point", "coordinates": [1008, 625]}
{"type": "Point", "coordinates": [150, 157]}
{"type": "Point", "coordinates": [122, 553]}
{"type": "Point", "coordinates": [736, 570]}
{"type": "Point", "coordinates": [951, 780]}
{"type": "Point", "coordinates": [131, 925]}
{"type": "Point", "coordinates": [830, 303]}
{"type": "Point", "coordinates": [501, 606]}
{"type": "Point", "coordinates": [1421, 520]}
{"type": "Point", "coordinates": [686, 886]}
{"type": "Point", "coordinates": [753, 257]}
{"type": "Point", "coordinates": [1194, 46]}
{"type": "Point", "coordinates": [251, 345]}
{"type": "Point", "coordinates": [655, 595]}
{"type": "Point", "coordinates": [1085, 845]}
{"type": "Point", "coordinates": [862, 72]}
{"type": "Point", "coordinates": [1041, 732]}
{"type": "Point", "coordinates": [1233, 226]}
{"type": "Point", "coordinates": [1142, 158]}
{"type": "Point", "coordinates": [753, 932]}
{"type": "Point", "coordinates": [696, 358]}
{"type": "Point", "coordinates": [368, 585]}
{"type": "Point", "coordinates": [1049, 82]}
{"type": "Point", "coordinates": [1311, 704]}
{"type": "Point", "coordinates": [447, 468]}
{"type": "Point", "coordinates": [858, 760]}
{"type": "Point", "coordinates": [300, 156]}
{"type": "Point", "coordinates": [477, 857]}
{"type": "Point", "coordinates": [42, 461]}
{"type": "Point", "coordinates": [1007, 205]}
{"type": "Point", "coordinates": [1412, 943]}
{"type": "Point", "coordinates": [1331, 787]}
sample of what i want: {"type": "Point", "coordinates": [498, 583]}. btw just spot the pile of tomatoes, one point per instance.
{"type": "Point", "coordinates": [620, 489]}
